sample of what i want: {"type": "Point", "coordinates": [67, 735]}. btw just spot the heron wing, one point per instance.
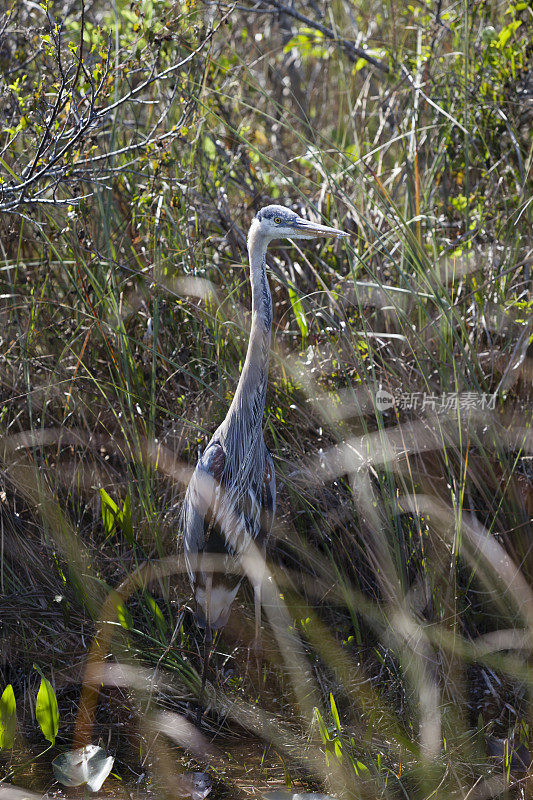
{"type": "Point", "coordinates": [204, 518]}
{"type": "Point", "coordinates": [216, 523]}
{"type": "Point", "coordinates": [197, 515]}
{"type": "Point", "coordinates": [268, 500]}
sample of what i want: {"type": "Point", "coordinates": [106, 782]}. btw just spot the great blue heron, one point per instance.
{"type": "Point", "coordinates": [231, 497]}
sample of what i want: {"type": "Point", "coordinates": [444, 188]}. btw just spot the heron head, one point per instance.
{"type": "Point", "coordinates": [278, 222]}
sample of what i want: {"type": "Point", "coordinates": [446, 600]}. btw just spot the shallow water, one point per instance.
{"type": "Point", "coordinates": [245, 768]}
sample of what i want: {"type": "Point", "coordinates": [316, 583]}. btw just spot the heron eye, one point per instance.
{"type": "Point", "coordinates": [277, 220]}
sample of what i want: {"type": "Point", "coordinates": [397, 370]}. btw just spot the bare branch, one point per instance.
{"type": "Point", "coordinates": [353, 52]}
{"type": "Point", "coordinates": [75, 129]}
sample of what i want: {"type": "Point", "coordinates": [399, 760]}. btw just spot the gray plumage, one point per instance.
{"type": "Point", "coordinates": [231, 497]}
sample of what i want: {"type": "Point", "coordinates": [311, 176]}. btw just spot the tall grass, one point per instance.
{"type": "Point", "coordinates": [397, 640]}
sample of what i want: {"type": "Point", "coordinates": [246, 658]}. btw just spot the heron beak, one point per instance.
{"type": "Point", "coordinates": [308, 228]}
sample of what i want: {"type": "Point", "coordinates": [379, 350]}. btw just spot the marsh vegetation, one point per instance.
{"type": "Point", "coordinates": [138, 140]}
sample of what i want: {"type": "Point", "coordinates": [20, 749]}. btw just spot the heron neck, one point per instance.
{"type": "Point", "coordinates": [250, 395]}
{"type": "Point", "coordinates": [261, 298]}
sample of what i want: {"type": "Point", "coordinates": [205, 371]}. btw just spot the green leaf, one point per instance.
{"type": "Point", "coordinates": [120, 613]}
{"type": "Point", "coordinates": [309, 43]}
{"type": "Point", "coordinates": [4, 163]}
{"type": "Point", "coordinates": [125, 519]}
{"type": "Point", "coordinates": [338, 749]}
{"type": "Point", "coordinates": [112, 516]}
{"type": "Point", "coordinates": [124, 616]}
{"type": "Point", "coordinates": [506, 33]}
{"type": "Point", "coordinates": [157, 614]}
{"type": "Point", "coordinates": [110, 512]}
{"type": "Point", "coordinates": [324, 733]}
{"type": "Point", "coordinates": [46, 710]}
{"type": "Point", "coordinates": [8, 718]}
{"type": "Point", "coordinates": [299, 312]}
{"type": "Point", "coordinates": [334, 712]}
